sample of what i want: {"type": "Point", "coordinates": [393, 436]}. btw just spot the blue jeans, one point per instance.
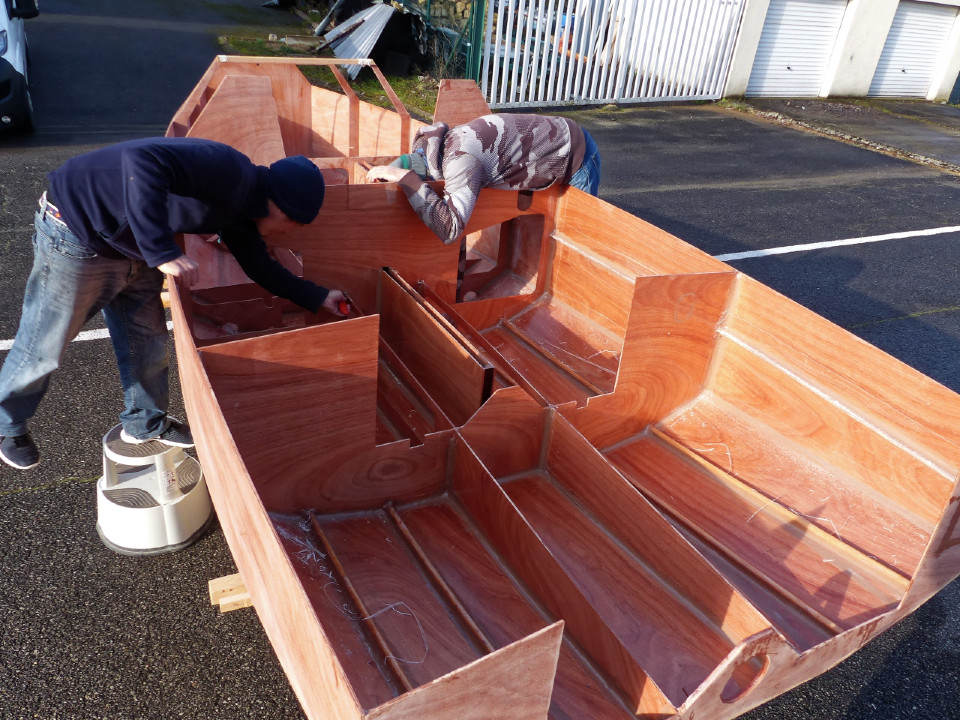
{"type": "Point", "coordinates": [587, 178]}
{"type": "Point", "coordinates": [68, 285]}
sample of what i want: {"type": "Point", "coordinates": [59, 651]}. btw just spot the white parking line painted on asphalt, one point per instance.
{"type": "Point", "coordinates": [835, 243]}
{"type": "Point", "coordinates": [100, 334]}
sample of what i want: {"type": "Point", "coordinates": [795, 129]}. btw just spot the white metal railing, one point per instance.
{"type": "Point", "coordinates": [553, 52]}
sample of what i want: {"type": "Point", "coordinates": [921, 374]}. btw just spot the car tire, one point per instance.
{"type": "Point", "coordinates": [29, 123]}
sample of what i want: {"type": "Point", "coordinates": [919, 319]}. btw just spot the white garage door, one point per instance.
{"type": "Point", "coordinates": [914, 47]}
{"type": "Point", "coordinates": [797, 40]}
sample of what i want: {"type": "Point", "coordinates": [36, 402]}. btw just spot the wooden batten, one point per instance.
{"type": "Point", "coordinates": [502, 523]}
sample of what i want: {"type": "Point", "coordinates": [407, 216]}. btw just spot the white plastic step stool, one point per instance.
{"type": "Point", "coordinates": [151, 499]}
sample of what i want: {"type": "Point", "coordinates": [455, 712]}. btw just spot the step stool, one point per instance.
{"type": "Point", "coordinates": [151, 499]}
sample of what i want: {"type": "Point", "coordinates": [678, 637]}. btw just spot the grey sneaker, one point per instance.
{"type": "Point", "coordinates": [19, 452]}
{"type": "Point", "coordinates": [176, 434]}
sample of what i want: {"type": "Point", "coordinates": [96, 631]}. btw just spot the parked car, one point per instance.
{"type": "Point", "coordinates": [16, 106]}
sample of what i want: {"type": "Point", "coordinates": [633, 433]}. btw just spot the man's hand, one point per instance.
{"type": "Point", "coordinates": [337, 303]}
{"type": "Point", "coordinates": [386, 173]}
{"type": "Point", "coordinates": [183, 268]}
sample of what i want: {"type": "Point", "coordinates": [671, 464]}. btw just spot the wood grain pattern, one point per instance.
{"type": "Point", "coordinates": [918, 411]}
{"type": "Point", "coordinates": [302, 646]}
{"type": "Point", "coordinates": [803, 477]}
{"type": "Point", "coordinates": [805, 486]}
{"type": "Point", "coordinates": [242, 114]}
{"type": "Point", "coordinates": [600, 292]}
{"type": "Point", "coordinates": [453, 376]}
{"type": "Point", "coordinates": [519, 677]}
{"type": "Point", "coordinates": [667, 351]}
{"type": "Point", "coordinates": [459, 102]}
{"type": "Point", "coordinates": [519, 545]}
{"type": "Point", "coordinates": [624, 241]}
{"type": "Point", "coordinates": [526, 420]}
{"type": "Point", "coordinates": [505, 615]}
{"type": "Point", "coordinates": [421, 635]}
{"type": "Point", "coordinates": [332, 605]}
{"type": "Point", "coordinates": [616, 505]}
{"type": "Point", "coordinates": [806, 565]}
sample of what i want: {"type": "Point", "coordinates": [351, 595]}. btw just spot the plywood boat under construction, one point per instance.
{"type": "Point", "coordinates": [622, 480]}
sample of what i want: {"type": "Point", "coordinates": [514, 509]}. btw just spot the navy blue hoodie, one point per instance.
{"type": "Point", "coordinates": [132, 198]}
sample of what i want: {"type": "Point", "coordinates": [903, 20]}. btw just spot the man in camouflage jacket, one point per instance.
{"type": "Point", "coordinates": [505, 152]}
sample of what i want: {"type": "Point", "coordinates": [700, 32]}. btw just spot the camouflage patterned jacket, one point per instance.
{"type": "Point", "coordinates": [505, 152]}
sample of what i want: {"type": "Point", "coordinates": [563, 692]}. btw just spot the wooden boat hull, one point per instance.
{"type": "Point", "coordinates": [622, 480]}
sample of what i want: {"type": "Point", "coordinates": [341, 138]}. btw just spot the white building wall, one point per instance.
{"type": "Point", "coordinates": [949, 68]}
{"type": "Point", "coordinates": [745, 51]}
{"type": "Point", "coordinates": [854, 60]}
{"type": "Point", "coordinates": [859, 45]}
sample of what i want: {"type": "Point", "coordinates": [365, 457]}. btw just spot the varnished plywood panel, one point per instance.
{"type": "Point", "coordinates": [802, 630]}
{"type": "Point", "coordinates": [516, 680]}
{"type": "Point", "coordinates": [784, 549]}
{"type": "Point", "coordinates": [332, 604]}
{"type": "Point", "coordinates": [515, 541]}
{"type": "Point", "coordinates": [549, 380]}
{"type": "Point", "coordinates": [941, 561]}
{"type": "Point", "coordinates": [572, 341]}
{"type": "Point", "coordinates": [299, 402]}
{"type": "Point", "coordinates": [420, 634]}
{"type": "Point", "coordinates": [242, 114]}
{"type": "Point", "coordinates": [625, 241]}
{"type": "Point", "coordinates": [923, 414]}
{"type": "Point", "coordinates": [438, 358]}
{"type": "Point", "coordinates": [459, 102]}
{"type": "Point", "coordinates": [525, 419]}
{"type": "Point", "coordinates": [801, 473]}
{"type": "Point", "coordinates": [502, 612]}
{"type": "Point", "coordinates": [302, 646]}
{"type": "Point", "coordinates": [602, 293]}
{"type": "Point", "coordinates": [616, 505]}
{"type": "Point", "coordinates": [829, 428]}
{"type": "Point", "coordinates": [673, 646]}
{"type": "Point", "coordinates": [667, 351]}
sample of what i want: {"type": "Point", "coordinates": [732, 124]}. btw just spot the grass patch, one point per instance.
{"type": "Point", "coordinates": [417, 92]}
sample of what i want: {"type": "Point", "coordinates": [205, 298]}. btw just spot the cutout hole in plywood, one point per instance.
{"type": "Point", "coordinates": [745, 677]}
{"type": "Point", "coordinates": [502, 260]}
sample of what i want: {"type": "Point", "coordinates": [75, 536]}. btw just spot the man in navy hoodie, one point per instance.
{"type": "Point", "coordinates": [104, 238]}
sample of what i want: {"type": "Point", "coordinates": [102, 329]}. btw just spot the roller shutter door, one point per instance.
{"type": "Point", "coordinates": [915, 45]}
{"type": "Point", "coordinates": [796, 42]}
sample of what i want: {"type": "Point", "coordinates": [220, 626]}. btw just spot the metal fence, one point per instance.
{"type": "Point", "coordinates": [553, 52]}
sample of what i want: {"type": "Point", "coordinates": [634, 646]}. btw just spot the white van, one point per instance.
{"type": "Point", "coordinates": [16, 107]}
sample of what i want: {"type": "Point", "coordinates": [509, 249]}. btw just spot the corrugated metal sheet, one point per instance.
{"type": "Point", "coordinates": [797, 40]}
{"type": "Point", "coordinates": [356, 37]}
{"type": "Point", "coordinates": [915, 45]}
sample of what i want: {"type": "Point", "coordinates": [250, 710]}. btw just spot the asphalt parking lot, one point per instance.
{"type": "Point", "coordinates": [91, 635]}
